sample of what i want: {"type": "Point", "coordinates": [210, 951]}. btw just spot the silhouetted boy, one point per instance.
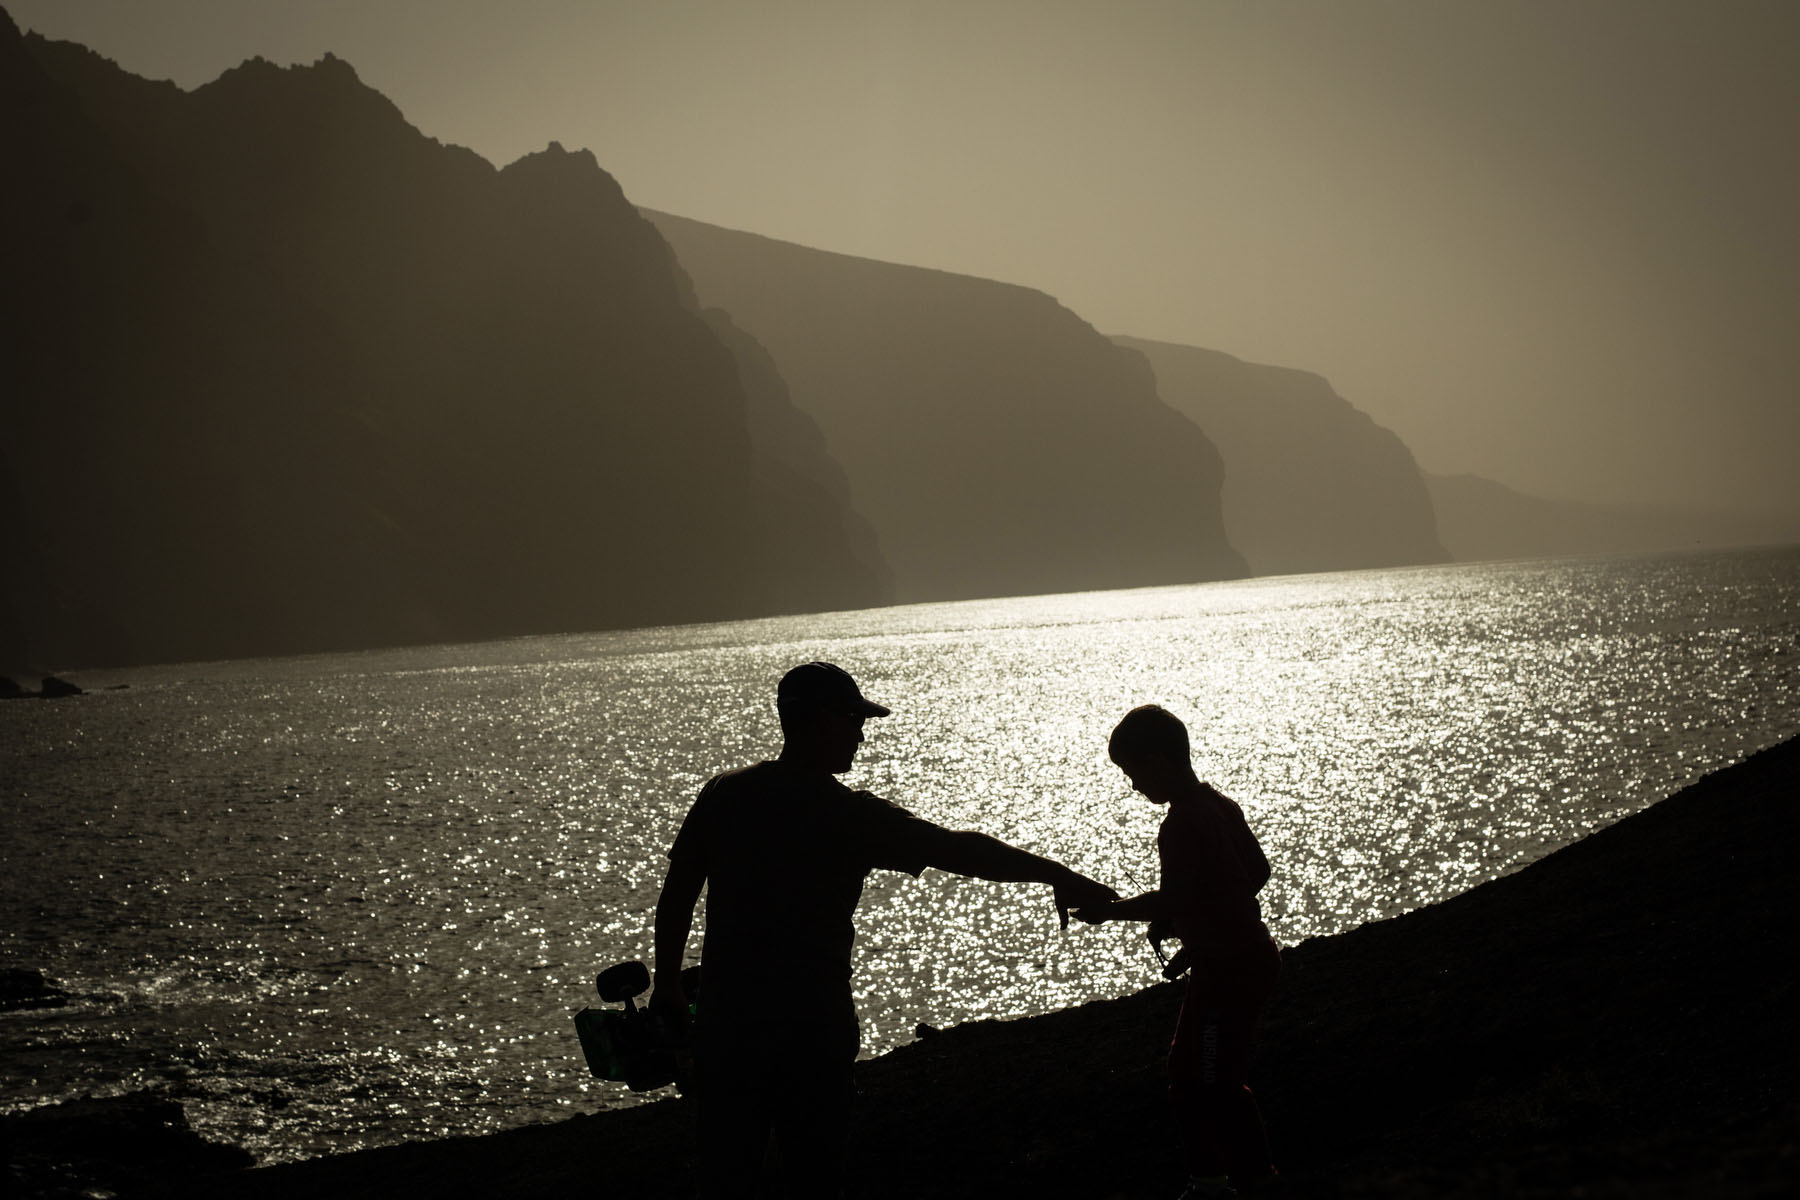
{"type": "Point", "coordinates": [782, 848]}
{"type": "Point", "coordinates": [1212, 868]}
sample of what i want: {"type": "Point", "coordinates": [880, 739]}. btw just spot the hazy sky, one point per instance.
{"type": "Point", "coordinates": [1550, 242]}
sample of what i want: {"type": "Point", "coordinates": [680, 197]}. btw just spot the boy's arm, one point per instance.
{"type": "Point", "coordinates": [985, 857]}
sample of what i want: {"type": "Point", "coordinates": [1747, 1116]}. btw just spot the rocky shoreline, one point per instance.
{"type": "Point", "coordinates": [1614, 1020]}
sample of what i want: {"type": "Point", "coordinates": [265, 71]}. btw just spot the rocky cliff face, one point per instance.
{"type": "Point", "coordinates": [283, 373]}
{"type": "Point", "coordinates": [1311, 483]}
{"type": "Point", "coordinates": [818, 551]}
{"type": "Point", "coordinates": [996, 443]}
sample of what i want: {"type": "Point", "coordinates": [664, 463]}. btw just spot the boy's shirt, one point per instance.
{"type": "Point", "coordinates": [1212, 868]}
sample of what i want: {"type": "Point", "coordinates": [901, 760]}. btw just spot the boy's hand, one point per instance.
{"type": "Point", "coordinates": [1079, 892]}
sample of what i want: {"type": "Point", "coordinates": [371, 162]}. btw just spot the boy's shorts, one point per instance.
{"type": "Point", "coordinates": [1211, 1047]}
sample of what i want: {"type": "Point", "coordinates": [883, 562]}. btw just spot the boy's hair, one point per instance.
{"type": "Point", "coordinates": [1149, 729]}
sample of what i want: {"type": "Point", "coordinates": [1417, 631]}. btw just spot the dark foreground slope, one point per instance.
{"type": "Point", "coordinates": [1311, 482]}
{"type": "Point", "coordinates": [996, 442]}
{"type": "Point", "coordinates": [1615, 1020]}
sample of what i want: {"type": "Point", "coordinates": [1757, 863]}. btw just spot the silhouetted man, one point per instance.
{"type": "Point", "coordinates": [782, 848]}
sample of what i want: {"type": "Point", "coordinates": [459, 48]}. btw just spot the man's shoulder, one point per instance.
{"type": "Point", "coordinates": [755, 775]}
{"type": "Point", "coordinates": [866, 798]}
{"type": "Point", "coordinates": [774, 780]}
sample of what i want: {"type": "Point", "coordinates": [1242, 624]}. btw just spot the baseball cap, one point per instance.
{"type": "Point", "coordinates": [821, 685]}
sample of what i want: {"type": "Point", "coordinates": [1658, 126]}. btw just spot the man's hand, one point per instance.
{"type": "Point", "coordinates": [669, 1003]}
{"type": "Point", "coordinates": [1079, 892]}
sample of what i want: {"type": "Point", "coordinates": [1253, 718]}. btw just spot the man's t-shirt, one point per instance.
{"type": "Point", "coordinates": [784, 852]}
{"type": "Point", "coordinates": [1212, 868]}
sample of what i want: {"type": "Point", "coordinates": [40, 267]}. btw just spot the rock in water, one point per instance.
{"type": "Point", "coordinates": [21, 987]}
{"type": "Point", "coordinates": [118, 1144]}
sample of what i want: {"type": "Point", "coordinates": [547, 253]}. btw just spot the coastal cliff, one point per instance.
{"type": "Point", "coordinates": [283, 373]}
{"type": "Point", "coordinates": [818, 551]}
{"type": "Point", "coordinates": [996, 443]}
{"type": "Point", "coordinates": [1311, 482]}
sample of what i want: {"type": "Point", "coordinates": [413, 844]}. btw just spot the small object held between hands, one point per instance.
{"type": "Point", "coordinates": [1160, 931]}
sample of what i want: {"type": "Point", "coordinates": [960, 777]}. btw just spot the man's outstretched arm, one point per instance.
{"type": "Point", "coordinates": [985, 857]}
{"type": "Point", "coordinates": [674, 921]}
{"type": "Point", "coordinates": [1151, 906]}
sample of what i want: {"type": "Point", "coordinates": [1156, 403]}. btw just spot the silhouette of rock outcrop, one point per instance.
{"type": "Point", "coordinates": [996, 443]}
{"type": "Point", "coordinates": [23, 987]}
{"type": "Point", "coordinates": [1482, 519]}
{"type": "Point", "coordinates": [283, 373]}
{"type": "Point", "coordinates": [1311, 482]}
{"type": "Point", "coordinates": [105, 1146]}
{"type": "Point", "coordinates": [56, 688]}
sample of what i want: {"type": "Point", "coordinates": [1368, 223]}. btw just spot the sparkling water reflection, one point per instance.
{"type": "Point", "coordinates": [352, 899]}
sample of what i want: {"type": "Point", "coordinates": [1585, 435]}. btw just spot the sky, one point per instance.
{"type": "Point", "coordinates": [1553, 243]}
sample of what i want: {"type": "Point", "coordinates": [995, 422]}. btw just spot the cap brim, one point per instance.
{"type": "Point", "coordinates": [869, 708]}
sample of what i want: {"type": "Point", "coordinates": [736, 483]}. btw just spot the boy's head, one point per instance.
{"type": "Point", "coordinates": [1151, 746]}
{"type": "Point", "coordinates": [1149, 730]}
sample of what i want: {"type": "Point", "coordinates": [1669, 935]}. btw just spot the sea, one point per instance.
{"type": "Point", "coordinates": [345, 900]}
